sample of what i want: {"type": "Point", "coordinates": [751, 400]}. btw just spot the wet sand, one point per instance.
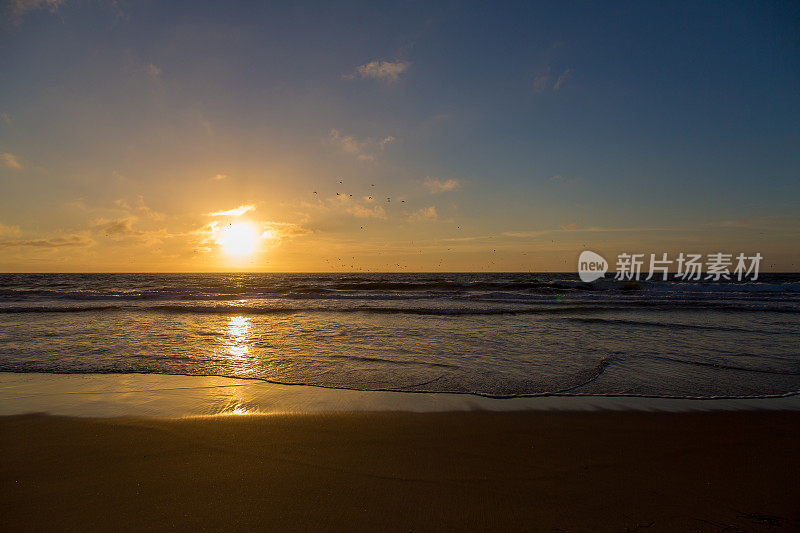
{"type": "Point", "coordinates": [176, 396]}
{"type": "Point", "coordinates": [590, 471]}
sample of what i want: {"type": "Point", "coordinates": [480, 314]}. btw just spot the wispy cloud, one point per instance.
{"type": "Point", "coordinates": [384, 71]}
{"type": "Point", "coordinates": [563, 78]}
{"type": "Point", "coordinates": [153, 71]}
{"type": "Point", "coordinates": [139, 207]}
{"type": "Point", "coordinates": [436, 186]}
{"type": "Point", "coordinates": [425, 214]}
{"type": "Point", "coordinates": [525, 234]}
{"type": "Point", "coordinates": [367, 209]}
{"type": "Point", "coordinates": [8, 230]}
{"type": "Point", "coordinates": [574, 226]}
{"type": "Point", "coordinates": [116, 227]}
{"type": "Point", "coordinates": [20, 7]}
{"type": "Point", "coordinates": [235, 212]}
{"type": "Point", "coordinates": [122, 229]}
{"type": "Point", "coordinates": [544, 81]}
{"type": "Point", "coordinates": [10, 161]}
{"type": "Point", "coordinates": [364, 149]}
{"type": "Point", "coordinates": [558, 178]}
{"type": "Point", "coordinates": [74, 240]}
{"type": "Point", "coordinates": [219, 177]}
{"type": "Point", "coordinates": [275, 231]}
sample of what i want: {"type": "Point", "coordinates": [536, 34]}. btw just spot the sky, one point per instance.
{"type": "Point", "coordinates": [395, 136]}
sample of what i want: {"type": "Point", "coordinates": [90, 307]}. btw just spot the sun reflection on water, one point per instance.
{"type": "Point", "coordinates": [236, 345]}
{"type": "Point", "coordinates": [237, 332]}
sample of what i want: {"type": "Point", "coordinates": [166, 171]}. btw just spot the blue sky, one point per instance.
{"type": "Point", "coordinates": [510, 136]}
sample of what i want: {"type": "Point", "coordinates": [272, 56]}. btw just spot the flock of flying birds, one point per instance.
{"type": "Point", "coordinates": [388, 199]}
{"type": "Point", "coordinates": [342, 263]}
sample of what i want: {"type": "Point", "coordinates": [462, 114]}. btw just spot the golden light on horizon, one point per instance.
{"type": "Point", "coordinates": [238, 239]}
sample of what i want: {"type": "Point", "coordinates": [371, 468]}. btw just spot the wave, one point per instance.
{"type": "Point", "coordinates": [540, 309]}
{"type": "Point", "coordinates": [596, 373]}
{"type": "Point", "coordinates": [669, 325]}
{"type": "Point", "coordinates": [383, 360]}
{"type": "Point", "coordinates": [220, 287]}
{"type": "Point", "coordinates": [567, 393]}
{"type": "Point", "coordinates": [722, 366]}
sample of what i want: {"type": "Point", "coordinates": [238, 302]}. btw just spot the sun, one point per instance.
{"type": "Point", "coordinates": [238, 239]}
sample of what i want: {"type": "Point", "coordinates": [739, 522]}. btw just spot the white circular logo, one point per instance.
{"type": "Point", "coordinates": [591, 266]}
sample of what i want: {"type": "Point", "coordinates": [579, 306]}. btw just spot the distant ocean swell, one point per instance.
{"type": "Point", "coordinates": [563, 308]}
{"type": "Point", "coordinates": [332, 289]}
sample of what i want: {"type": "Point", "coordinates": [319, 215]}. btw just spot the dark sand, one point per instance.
{"type": "Point", "coordinates": [605, 471]}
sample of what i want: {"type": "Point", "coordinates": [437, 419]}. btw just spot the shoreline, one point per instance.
{"type": "Point", "coordinates": [176, 396]}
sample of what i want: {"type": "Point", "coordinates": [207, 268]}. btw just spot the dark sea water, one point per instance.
{"type": "Point", "coordinates": [488, 334]}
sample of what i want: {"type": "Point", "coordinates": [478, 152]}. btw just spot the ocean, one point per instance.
{"type": "Point", "coordinates": [495, 335]}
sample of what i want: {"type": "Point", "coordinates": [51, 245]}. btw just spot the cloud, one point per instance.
{"type": "Point", "coordinates": [119, 229]}
{"type": "Point", "coordinates": [9, 161]}
{"type": "Point", "coordinates": [544, 81]}
{"type": "Point", "coordinates": [360, 211]}
{"type": "Point", "coordinates": [207, 232]}
{"type": "Point", "coordinates": [153, 71]}
{"type": "Point", "coordinates": [426, 213]}
{"type": "Point", "coordinates": [74, 240]}
{"type": "Point", "coordinates": [5, 118]}
{"type": "Point", "coordinates": [20, 7]}
{"type": "Point", "coordinates": [384, 71]}
{"type": "Point", "coordinates": [562, 79]}
{"type": "Point", "coordinates": [220, 177]}
{"type": "Point", "coordinates": [275, 231]}
{"type": "Point", "coordinates": [558, 178]}
{"type": "Point", "coordinates": [575, 227]}
{"type": "Point", "coordinates": [116, 227]}
{"type": "Point", "coordinates": [235, 212]}
{"type": "Point", "coordinates": [436, 186]}
{"type": "Point", "coordinates": [369, 209]}
{"type": "Point", "coordinates": [140, 207]}
{"type": "Point", "coordinates": [8, 230]}
{"type": "Point", "coordinates": [525, 234]}
{"type": "Point", "coordinates": [365, 149]}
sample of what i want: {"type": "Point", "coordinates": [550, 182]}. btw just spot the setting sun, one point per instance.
{"type": "Point", "coordinates": [238, 239]}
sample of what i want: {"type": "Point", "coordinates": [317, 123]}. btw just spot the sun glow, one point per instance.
{"type": "Point", "coordinates": [238, 239]}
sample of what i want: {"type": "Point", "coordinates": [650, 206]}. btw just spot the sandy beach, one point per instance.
{"type": "Point", "coordinates": [595, 471]}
